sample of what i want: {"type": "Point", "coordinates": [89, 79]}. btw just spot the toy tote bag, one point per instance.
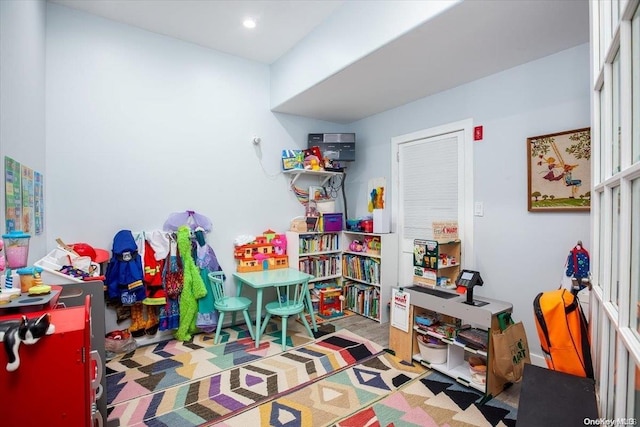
{"type": "Point", "coordinates": [174, 274]}
{"type": "Point", "coordinates": [510, 351]}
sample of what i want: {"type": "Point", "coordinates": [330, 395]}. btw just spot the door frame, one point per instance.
{"type": "Point", "coordinates": [465, 183]}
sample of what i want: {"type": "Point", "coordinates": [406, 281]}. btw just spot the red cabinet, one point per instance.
{"type": "Point", "coordinates": [54, 383]}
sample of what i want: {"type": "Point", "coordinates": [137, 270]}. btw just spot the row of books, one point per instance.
{"type": "Point", "coordinates": [321, 265]}
{"type": "Point", "coordinates": [362, 268]}
{"type": "Point", "coordinates": [318, 243]}
{"type": "Point", "coordinates": [362, 299]}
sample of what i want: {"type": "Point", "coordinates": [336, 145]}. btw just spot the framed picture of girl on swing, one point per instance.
{"type": "Point", "coordinates": [559, 171]}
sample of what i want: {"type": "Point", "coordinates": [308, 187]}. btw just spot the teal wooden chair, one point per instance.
{"type": "Point", "coordinates": [225, 304]}
{"type": "Point", "coordinates": [291, 301]}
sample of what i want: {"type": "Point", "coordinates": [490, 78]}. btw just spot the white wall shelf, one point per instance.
{"type": "Point", "coordinates": [325, 175]}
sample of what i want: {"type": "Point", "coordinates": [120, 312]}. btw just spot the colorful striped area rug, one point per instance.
{"type": "Point", "coordinates": [332, 398]}
{"type": "Point", "coordinates": [432, 401]}
{"type": "Point", "coordinates": [227, 391]}
{"type": "Point", "coordinates": [169, 363]}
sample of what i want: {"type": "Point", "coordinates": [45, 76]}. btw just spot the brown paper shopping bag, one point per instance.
{"type": "Point", "coordinates": [510, 352]}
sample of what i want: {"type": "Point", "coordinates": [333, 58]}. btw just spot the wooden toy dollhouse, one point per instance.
{"type": "Point", "coordinates": [266, 252]}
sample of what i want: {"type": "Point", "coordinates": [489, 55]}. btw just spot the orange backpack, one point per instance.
{"type": "Point", "coordinates": [562, 329]}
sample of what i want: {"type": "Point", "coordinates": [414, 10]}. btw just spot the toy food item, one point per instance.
{"type": "Point", "coordinates": [39, 290]}
{"type": "Point", "coordinates": [477, 360]}
{"type": "Point", "coordinates": [8, 295]}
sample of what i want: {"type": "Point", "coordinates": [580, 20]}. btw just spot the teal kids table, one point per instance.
{"type": "Point", "coordinates": [259, 280]}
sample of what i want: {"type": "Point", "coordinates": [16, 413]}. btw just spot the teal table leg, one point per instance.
{"type": "Point", "coordinates": [310, 308]}
{"type": "Point", "coordinates": [258, 315]}
{"type": "Point", "coordinates": [238, 293]}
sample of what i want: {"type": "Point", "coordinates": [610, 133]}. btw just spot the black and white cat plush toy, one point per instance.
{"type": "Point", "coordinates": [28, 331]}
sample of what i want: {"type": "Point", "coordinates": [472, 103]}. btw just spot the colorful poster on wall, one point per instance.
{"type": "Point", "coordinates": [13, 194]}
{"type": "Point", "coordinates": [27, 198]}
{"type": "Point", "coordinates": [38, 202]}
{"type": "Point", "coordinates": [376, 195]}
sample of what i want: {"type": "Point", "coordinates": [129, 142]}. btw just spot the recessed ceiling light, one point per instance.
{"type": "Point", "coordinates": [249, 23]}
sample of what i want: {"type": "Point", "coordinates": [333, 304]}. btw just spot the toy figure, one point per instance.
{"type": "Point", "coordinates": [356, 246]}
{"type": "Point", "coordinates": [27, 331]}
{"type": "Point", "coordinates": [312, 163]}
{"type": "Point", "coordinates": [280, 244]}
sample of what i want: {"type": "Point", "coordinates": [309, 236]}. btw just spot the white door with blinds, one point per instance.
{"type": "Point", "coordinates": [432, 179]}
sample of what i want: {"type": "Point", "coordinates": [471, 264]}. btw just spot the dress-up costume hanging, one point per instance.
{"type": "Point", "coordinates": [206, 261]}
{"type": "Point", "coordinates": [192, 290]}
{"type": "Point", "coordinates": [170, 312]}
{"type": "Point", "coordinates": [189, 218]}
{"type": "Point", "coordinates": [124, 271]}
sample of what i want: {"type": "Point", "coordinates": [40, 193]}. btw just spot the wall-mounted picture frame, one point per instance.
{"type": "Point", "coordinates": [559, 171]}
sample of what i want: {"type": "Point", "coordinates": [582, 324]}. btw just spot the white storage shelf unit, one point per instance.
{"type": "Point", "coordinates": [456, 365]}
{"type": "Point", "coordinates": [481, 317]}
{"type": "Point", "coordinates": [316, 253]}
{"type": "Point", "coordinates": [371, 272]}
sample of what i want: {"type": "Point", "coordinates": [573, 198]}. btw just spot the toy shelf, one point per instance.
{"type": "Point", "coordinates": [325, 175]}
{"type": "Point", "coordinates": [369, 255]}
{"type": "Point", "coordinates": [450, 341]}
{"type": "Point", "coordinates": [322, 279]}
{"type": "Point", "coordinates": [374, 269]}
{"type": "Point", "coordinates": [485, 318]}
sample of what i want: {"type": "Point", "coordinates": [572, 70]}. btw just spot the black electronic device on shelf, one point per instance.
{"type": "Point", "coordinates": [337, 147]}
{"type": "Point", "coordinates": [469, 279]}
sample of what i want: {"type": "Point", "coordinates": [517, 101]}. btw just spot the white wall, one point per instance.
{"type": "Point", "coordinates": [518, 253]}
{"type": "Point", "coordinates": [22, 92]}
{"type": "Point", "coordinates": [141, 125]}
{"type": "Point", "coordinates": [353, 31]}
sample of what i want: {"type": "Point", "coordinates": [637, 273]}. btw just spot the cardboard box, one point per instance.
{"type": "Point", "coordinates": [424, 276]}
{"type": "Point", "coordinates": [381, 221]}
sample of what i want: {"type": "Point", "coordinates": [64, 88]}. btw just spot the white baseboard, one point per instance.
{"type": "Point", "coordinates": [537, 360]}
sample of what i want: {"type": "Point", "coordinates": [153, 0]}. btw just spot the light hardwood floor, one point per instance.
{"type": "Point", "coordinates": [379, 333]}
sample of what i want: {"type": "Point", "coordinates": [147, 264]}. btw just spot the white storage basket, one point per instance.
{"type": "Point", "coordinates": [433, 353]}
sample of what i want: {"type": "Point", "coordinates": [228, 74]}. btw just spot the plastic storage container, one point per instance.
{"type": "Point", "coordinates": [332, 221]}
{"type": "Point", "coordinates": [326, 206]}
{"type": "Point", "coordinates": [16, 248]}
{"type": "Point", "coordinates": [432, 353]}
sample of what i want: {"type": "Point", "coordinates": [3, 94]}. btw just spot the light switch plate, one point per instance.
{"type": "Point", "coordinates": [478, 209]}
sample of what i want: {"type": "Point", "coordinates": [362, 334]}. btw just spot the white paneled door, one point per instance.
{"type": "Point", "coordinates": [433, 180]}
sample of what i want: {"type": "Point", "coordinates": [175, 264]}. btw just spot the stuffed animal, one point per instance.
{"type": "Point", "coordinates": [356, 246]}
{"type": "Point", "coordinates": [28, 331]}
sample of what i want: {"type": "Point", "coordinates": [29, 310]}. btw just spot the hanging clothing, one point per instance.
{"type": "Point", "coordinates": [124, 271]}
{"type": "Point", "coordinates": [206, 261]}
{"type": "Point", "coordinates": [159, 241]}
{"type": "Point", "coordinates": [207, 319]}
{"type": "Point", "coordinates": [191, 219]}
{"type": "Point", "coordinates": [152, 278]}
{"type": "Point", "coordinates": [193, 288]}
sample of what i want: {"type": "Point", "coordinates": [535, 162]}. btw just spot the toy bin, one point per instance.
{"type": "Point", "coordinates": [332, 221]}
{"type": "Point", "coordinates": [435, 353]}
{"type": "Point", "coordinates": [28, 277]}
{"type": "Point", "coordinates": [326, 205]}
{"type": "Point", "coordinates": [16, 248]}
